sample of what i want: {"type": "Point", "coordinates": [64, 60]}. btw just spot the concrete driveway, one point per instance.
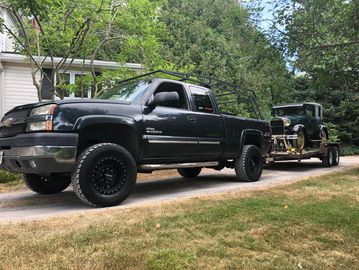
{"type": "Point", "coordinates": [26, 205]}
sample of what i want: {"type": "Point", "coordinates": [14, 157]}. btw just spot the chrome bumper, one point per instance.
{"type": "Point", "coordinates": [38, 159]}
{"type": "Point", "coordinates": [59, 153]}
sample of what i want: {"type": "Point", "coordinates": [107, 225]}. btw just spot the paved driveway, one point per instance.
{"type": "Point", "coordinates": [20, 206]}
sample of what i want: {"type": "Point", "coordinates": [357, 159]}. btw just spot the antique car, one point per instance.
{"type": "Point", "coordinates": [298, 126]}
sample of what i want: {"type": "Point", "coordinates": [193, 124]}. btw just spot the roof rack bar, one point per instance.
{"type": "Point", "coordinates": [209, 82]}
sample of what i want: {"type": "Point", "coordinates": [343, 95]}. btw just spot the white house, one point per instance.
{"type": "Point", "coordinates": [16, 85]}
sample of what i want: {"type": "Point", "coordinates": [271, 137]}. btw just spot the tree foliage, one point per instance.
{"type": "Point", "coordinates": [93, 29]}
{"type": "Point", "coordinates": [323, 39]}
{"type": "Point", "coordinates": [217, 38]}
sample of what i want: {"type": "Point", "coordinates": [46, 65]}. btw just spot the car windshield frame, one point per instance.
{"type": "Point", "coordinates": [131, 91]}
{"type": "Point", "coordinates": [289, 111]}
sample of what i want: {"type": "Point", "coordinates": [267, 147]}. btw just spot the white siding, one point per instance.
{"type": "Point", "coordinates": [18, 87]}
{"type": "Point", "coordinates": [7, 44]}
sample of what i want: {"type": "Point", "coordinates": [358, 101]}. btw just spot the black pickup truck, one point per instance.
{"type": "Point", "coordinates": [138, 126]}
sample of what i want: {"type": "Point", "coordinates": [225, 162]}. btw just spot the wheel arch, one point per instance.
{"type": "Point", "coordinates": [253, 137]}
{"type": "Point", "coordinates": [120, 130]}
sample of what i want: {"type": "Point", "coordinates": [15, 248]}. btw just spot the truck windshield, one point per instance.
{"type": "Point", "coordinates": [288, 111]}
{"type": "Point", "coordinates": [132, 91]}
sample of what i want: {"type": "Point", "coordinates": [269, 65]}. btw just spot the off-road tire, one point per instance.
{"type": "Point", "coordinates": [249, 165]}
{"type": "Point", "coordinates": [328, 160]}
{"type": "Point", "coordinates": [105, 175]}
{"type": "Point", "coordinates": [189, 172]}
{"type": "Point", "coordinates": [52, 184]}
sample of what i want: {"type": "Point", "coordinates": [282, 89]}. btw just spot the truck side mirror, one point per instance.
{"type": "Point", "coordinates": [167, 99]}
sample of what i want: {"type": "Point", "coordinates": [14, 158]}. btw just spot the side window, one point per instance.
{"type": "Point", "coordinates": [202, 100]}
{"type": "Point", "coordinates": [309, 111]}
{"type": "Point", "coordinates": [174, 87]}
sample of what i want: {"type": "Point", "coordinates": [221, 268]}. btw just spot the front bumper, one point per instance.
{"type": "Point", "coordinates": [39, 153]}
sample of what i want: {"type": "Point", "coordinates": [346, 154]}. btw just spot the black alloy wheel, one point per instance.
{"type": "Point", "coordinates": [105, 175]}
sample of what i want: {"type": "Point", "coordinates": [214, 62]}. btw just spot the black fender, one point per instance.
{"type": "Point", "coordinates": [92, 120]}
{"type": "Point", "coordinates": [253, 136]}
{"type": "Point", "coordinates": [88, 120]}
{"type": "Point", "coordinates": [323, 128]}
{"type": "Point", "coordinates": [297, 128]}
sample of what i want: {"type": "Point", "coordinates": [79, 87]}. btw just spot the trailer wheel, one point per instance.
{"type": "Point", "coordinates": [189, 172]}
{"type": "Point", "coordinates": [105, 174]}
{"type": "Point", "coordinates": [328, 160]}
{"type": "Point", "coordinates": [336, 156]}
{"type": "Point", "coordinates": [249, 165]}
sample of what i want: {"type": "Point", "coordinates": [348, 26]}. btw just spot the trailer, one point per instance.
{"type": "Point", "coordinates": [327, 152]}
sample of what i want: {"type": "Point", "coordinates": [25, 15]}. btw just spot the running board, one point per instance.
{"type": "Point", "coordinates": [154, 167]}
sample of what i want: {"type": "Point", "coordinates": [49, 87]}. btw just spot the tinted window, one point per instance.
{"type": "Point", "coordinates": [202, 100]}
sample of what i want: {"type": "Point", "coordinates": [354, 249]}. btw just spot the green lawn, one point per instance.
{"type": "Point", "coordinates": [313, 224]}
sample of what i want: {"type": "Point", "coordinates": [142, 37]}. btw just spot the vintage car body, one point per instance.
{"type": "Point", "coordinates": [301, 124]}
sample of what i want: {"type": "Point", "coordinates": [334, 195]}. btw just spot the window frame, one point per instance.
{"type": "Point", "coordinates": [154, 87]}
{"type": "Point", "coordinates": [211, 99]}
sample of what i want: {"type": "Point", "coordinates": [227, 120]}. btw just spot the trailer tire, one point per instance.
{"type": "Point", "coordinates": [105, 175]}
{"type": "Point", "coordinates": [336, 156]}
{"type": "Point", "coordinates": [328, 160]}
{"type": "Point", "coordinates": [249, 165]}
{"type": "Point", "coordinates": [189, 172]}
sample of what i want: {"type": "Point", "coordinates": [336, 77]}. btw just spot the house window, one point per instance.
{"type": "Point", "coordinates": [67, 78]}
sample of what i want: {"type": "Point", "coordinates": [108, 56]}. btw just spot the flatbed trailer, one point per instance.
{"type": "Point", "coordinates": [328, 153]}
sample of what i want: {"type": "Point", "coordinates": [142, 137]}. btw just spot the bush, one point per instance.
{"type": "Point", "coordinates": [6, 177]}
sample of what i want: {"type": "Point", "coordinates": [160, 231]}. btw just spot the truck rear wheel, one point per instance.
{"type": "Point", "coordinates": [52, 184]}
{"type": "Point", "coordinates": [189, 172]}
{"type": "Point", "coordinates": [105, 175]}
{"type": "Point", "coordinates": [249, 165]}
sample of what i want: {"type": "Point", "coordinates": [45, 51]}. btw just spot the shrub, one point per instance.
{"type": "Point", "coordinates": [6, 177]}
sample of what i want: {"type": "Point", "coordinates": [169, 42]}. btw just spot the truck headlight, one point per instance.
{"type": "Point", "coordinates": [43, 110]}
{"type": "Point", "coordinates": [286, 122]}
{"type": "Point", "coordinates": [43, 118]}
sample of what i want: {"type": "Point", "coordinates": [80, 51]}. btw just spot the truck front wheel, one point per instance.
{"type": "Point", "coordinates": [105, 175]}
{"type": "Point", "coordinates": [189, 172]}
{"type": "Point", "coordinates": [249, 165]}
{"type": "Point", "coordinates": [51, 184]}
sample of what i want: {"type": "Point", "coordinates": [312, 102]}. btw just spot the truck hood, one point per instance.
{"type": "Point", "coordinates": [30, 106]}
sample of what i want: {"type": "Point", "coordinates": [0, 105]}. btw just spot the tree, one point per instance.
{"type": "Point", "coordinates": [323, 39]}
{"type": "Point", "coordinates": [81, 29]}
{"type": "Point", "coordinates": [217, 38]}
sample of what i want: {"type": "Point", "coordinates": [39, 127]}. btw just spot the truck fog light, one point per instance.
{"type": "Point", "coordinates": [37, 126]}
{"type": "Point", "coordinates": [32, 164]}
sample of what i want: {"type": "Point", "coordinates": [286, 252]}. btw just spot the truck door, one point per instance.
{"type": "Point", "coordinates": [170, 131]}
{"type": "Point", "coordinates": [209, 123]}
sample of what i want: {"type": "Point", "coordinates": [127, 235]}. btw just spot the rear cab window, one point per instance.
{"type": "Point", "coordinates": [202, 100]}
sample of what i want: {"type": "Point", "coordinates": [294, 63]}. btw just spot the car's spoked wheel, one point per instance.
{"type": "Point", "coordinates": [299, 143]}
{"type": "Point", "coordinates": [104, 175]}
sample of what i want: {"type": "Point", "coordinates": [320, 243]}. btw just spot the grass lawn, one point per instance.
{"type": "Point", "coordinates": [313, 224]}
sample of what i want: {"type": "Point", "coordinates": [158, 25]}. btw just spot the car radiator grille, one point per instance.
{"type": "Point", "coordinates": [277, 127]}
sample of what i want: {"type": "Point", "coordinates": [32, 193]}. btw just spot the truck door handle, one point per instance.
{"type": "Point", "coordinates": [191, 119]}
